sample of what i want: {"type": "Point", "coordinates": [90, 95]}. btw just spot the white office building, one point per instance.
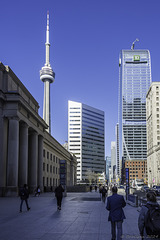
{"type": "Point", "coordinates": [86, 138]}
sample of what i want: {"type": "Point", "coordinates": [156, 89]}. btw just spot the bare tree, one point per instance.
{"type": "Point", "coordinates": [90, 175]}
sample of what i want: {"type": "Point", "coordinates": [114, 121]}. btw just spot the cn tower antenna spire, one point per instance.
{"type": "Point", "coordinates": [47, 76]}
{"type": "Point", "coordinates": [47, 43]}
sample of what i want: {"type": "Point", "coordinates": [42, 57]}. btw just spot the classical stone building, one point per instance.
{"type": "Point", "coordinates": [153, 133]}
{"type": "Point", "coordinates": [28, 153]}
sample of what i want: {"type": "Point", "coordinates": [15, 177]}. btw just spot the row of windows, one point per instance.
{"type": "Point", "coordinates": [94, 140]}
{"type": "Point", "coordinates": [93, 143]}
{"type": "Point", "coordinates": [51, 169]}
{"type": "Point", "coordinates": [93, 116]}
{"type": "Point", "coordinates": [74, 112]}
{"type": "Point", "coordinates": [142, 163]}
{"type": "Point", "coordinates": [92, 135]}
{"type": "Point", "coordinates": [90, 124]}
{"type": "Point", "coordinates": [74, 141]}
{"type": "Point", "coordinates": [94, 120]}
{"type": "Point", "coordinates": [92, 129]}
{"type": "Point", "coordinates": [50, 156]}
{"type": "Point", "coordinates": [87, 110]}
{"type": "Point", "coordinates": [50, 182]}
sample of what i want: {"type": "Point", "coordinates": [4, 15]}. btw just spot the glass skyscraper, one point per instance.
{"type": "Point", "coordinates": [134, 82]}
{"type": "Point", "coordinates": [86, 138]}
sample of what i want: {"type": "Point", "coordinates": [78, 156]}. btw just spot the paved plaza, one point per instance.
{"type": "Point", "coordinates": [83, 217]}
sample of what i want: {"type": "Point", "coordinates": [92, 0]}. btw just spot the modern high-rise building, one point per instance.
{"type": "Point", "coordinates": [47, 76]}
{"type": "Point", "coordinates": [134, 82]}
{"type": "Point", "coordinates": [118, 165]}
{"type": "Point", "coordinates": [113, 160]}
{"type": "Point", "coordinates": [86, 138]}
{"type": "Point", "coordinates": [108, 167]}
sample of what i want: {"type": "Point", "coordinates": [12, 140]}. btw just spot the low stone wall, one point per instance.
{"type": "Point", "coordinates": [132, 200]}
{"type": "Point", "coordinates": [78, 188]}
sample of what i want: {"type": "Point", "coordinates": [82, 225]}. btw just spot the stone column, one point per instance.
{"type": "Point", "coordinates": [40, 161]}
{"type": "Point", "coordinates": [33, 160]}
{"type": "Point", "coordinates": [23, 155]}
{"type": "Point", "coordinates": [13, 151]}
{"type": "Point", "coordinates": [3, 152]}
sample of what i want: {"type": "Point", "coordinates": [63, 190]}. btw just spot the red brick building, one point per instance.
{"type": "Point", "coordinates": [137, 169]}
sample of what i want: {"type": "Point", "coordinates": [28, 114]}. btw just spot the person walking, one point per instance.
{"type": "Point", "coordinates": [104, 192]}
{"type": "Point", "coordinates": [115, 205]}
{"type": "Point", "coordinates": [143, 217]}
{"type": "Point", "coordinates": [37, 191]}
{"type": "Point", "coordinates": [59, 195]}
{"type": "Point", "coordinates": [24, 195]}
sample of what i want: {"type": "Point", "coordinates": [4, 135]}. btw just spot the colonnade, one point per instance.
{"type": "Point", "coordinates": [24, 157]}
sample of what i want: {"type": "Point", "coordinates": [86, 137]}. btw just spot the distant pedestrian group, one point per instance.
{"type": "Point", "coordinates": [149, 216]}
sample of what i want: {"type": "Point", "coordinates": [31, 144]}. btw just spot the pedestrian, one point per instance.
{"type": "Point", "coordinates": [59, 195]}
{"type": "Point", "coordinates": [37, 191]}
{"type": "Point", "coordinates": [100, 190]}
{"type": "Point", "coordinates": [95, 188]}
{"type": "Point", "coordinates": [104, 192]}
{"type": "Point", "coordinates": [115, 205]}
{"type": "Point", "coordinates": [144, 217]}
{"type": "Point", "coordinates": [24, 195]}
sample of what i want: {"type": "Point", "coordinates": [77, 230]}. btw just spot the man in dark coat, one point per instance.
{"type": "Point", "coordinates": [24, 195]}
{"type": "Point", "coordinates": [59, 195]}
{"type": "Point", "coordinates": [115, 205]}
{"type": "Point", "coordinates": [104, 192]}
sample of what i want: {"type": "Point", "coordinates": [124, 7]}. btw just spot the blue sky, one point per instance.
{"type": "Point", "coordinates": [86, 37]}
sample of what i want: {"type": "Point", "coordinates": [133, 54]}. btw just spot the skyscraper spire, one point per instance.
{"type": "Point", "coordinates": [47, 76]}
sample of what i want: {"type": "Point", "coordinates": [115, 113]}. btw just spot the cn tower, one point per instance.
{"type": "Point", "coordinates": [47, 76]}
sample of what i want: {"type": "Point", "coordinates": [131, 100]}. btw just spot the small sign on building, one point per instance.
{"type": "Point", "coordinates": [63, 174]}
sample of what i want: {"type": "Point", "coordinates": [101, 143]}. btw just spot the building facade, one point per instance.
{"type": "Point", "coordinates": [86, 138]}
{"type": "Point", "coordinates": [118, 162]}
{"type": "Point", "coordinates": [108, 168]}
{"type": "Point", "coordinates": [28, 153]}
{"type": "Point", "coordinates": [137, 170]}
{"type": "Point", "coordinates": [113, 161]}
{"type": "Point", "coordinates": [134, 82]}
{"type": "Point", "coordinates": [153, 133]}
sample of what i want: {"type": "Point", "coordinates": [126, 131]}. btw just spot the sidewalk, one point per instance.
{"type": "Point", "coordinates": [83, 217]}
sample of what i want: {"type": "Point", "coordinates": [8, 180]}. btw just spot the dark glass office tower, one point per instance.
{"type": "Point", "coordinates": [134, 82]}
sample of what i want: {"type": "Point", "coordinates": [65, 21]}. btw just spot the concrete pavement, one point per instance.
{"type": "Point", "coordinates": [83, 217]}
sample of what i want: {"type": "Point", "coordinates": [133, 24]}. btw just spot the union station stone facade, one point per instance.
{"type": "Point", "coordinates": [28, 153]}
